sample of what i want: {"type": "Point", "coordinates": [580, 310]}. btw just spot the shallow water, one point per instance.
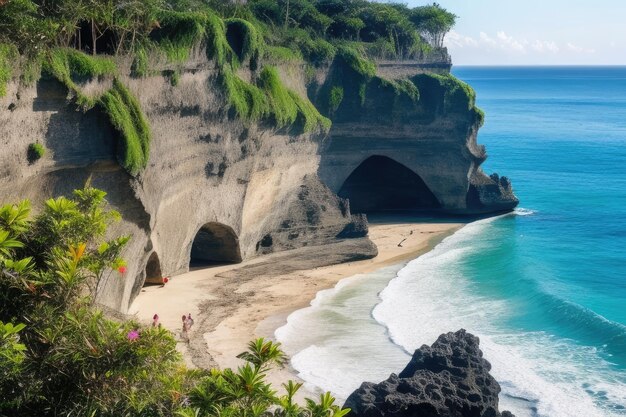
{"type": "Point", "coordinates": [544, 288]}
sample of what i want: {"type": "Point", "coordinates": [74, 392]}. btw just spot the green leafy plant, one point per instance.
{"type": "Point", "coordinates": [245, 392]}
{"type": "Point", "coordinates": [36, 151]}
{"type": "Point", "coordinates": [70, 359]}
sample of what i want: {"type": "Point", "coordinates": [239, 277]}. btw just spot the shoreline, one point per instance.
{"type": "Point", "coordinates": [232, 307]}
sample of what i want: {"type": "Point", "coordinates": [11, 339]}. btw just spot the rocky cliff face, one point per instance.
{"type": "Point", "coordinates": [388, 151]}
{"type": "Point", "coordinates": [222, 190]}
{"type": "Point", "coordinates": [448, 379]}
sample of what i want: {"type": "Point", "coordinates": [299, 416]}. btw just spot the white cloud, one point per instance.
{"type": "Point", "coordinates": [510, 43]}
{"type": "Point", "coordinates": [505, 43]}
{"type": "Point", "coordinates": [579, 49]}
{"type": "Point", "coordinates": [458, 40]}
{"type": "Point", "coordinates": [486, 39]}
{"type": "Point", "coordinates": [545, 46]}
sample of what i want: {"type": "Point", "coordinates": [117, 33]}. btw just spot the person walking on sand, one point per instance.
{"type": "Point", "coordinates": [155, 320]}
{"type": "Point", "coordinates": [184, 333]}
{"type": "Point", "coordinates": [189, 321]}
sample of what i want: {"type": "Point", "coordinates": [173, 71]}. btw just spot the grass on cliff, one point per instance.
{"type": "Point", "coordinates": [8, 55]}
{"type": "Point", "coordinates": [247, 100]}
{"type": "Point", "coordinates": [457, 95]}
{"type": "Point", "coordinates": [309, 118]}
{"type": "Point", "coordinates": [36, 151]}
{"type": "Point", "coordinates": [67, 64]}
{"type": "Point", "coordinates": [128, 119]}
{"type": "Point", "coordinates": [270, 100]}
{"type": "Point", "coordinates": [283, 108]}
{"type": "Point", "coordinates": [179, 33]}
{"type": "Point", "coordinates": [244, 40]}
{"type": "Point", "coordinates": [277, 54]}
{"type": "Point", "coordinates": [218, 48]}
{"type": "Point", "coordinates": [354, 60]}
{"type": "Point", "coordinates": [335, 98]}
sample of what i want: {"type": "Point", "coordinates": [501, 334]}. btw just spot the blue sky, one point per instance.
{"type": "Point", "coordinates": [536, 32]}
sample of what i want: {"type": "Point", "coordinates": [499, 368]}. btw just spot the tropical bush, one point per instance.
{"type": "Point", "coordinates": [61, 356]}
{"type": "Point", "coordinates": [245, 392]}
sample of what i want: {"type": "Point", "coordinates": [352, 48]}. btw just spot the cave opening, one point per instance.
{"type": "Point", "coordinates": [154, 276]}
{"type": "Point", "coordinates": [235, 38]}
{"type": "Point", "coordinates": [380, 184]}
{"type": "Point", "coordinates": [215, 244]}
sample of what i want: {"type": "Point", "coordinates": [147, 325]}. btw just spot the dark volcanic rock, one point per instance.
{"type": "Point", "coordinates": [448, 379]}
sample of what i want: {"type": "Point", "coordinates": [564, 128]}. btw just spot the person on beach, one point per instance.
{"type": "Point", "coordinates": [184, 333]}
{"type": "Point", "coordinates": [189, 321]}
{"type": "Point", "coordinates": [155, 320]}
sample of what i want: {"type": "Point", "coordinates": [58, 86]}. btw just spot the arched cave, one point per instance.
{"type": "Point", "coordinates": [215, 243]}
{"type": "Point", "coordinates": [380, 184]}
{"type": "Point", "coordinates": [154, 275]}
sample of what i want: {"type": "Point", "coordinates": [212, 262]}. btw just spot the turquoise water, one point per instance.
{"type": "Point", "coordinates": [560, 134]}
{"type": "Point", "coordinates": [544, 288]}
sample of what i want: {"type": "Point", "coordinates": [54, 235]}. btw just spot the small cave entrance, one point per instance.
{"type": "Point", "coordinates": [215, 244]}
{"type": "Point", "coordinates": [381, 184]}
{"type": "Point", "coordinates": [154, 276]}
{"type": "Point", "coordinates": [235, 36]}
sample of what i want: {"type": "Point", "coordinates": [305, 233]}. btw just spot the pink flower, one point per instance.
{"type": "Point", "coordinates": [121, 270]}
{"type": "Point", "coordinates": [132, 335]}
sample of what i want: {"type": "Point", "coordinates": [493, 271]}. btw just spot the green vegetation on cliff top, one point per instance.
{"type": "Point", "coordinates": [61, 34]}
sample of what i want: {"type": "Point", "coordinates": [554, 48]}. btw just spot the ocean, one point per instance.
{"type": "Point", "coordinates": [544, 288]}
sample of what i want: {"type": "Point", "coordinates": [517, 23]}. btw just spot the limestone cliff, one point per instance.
{"type": "Point", "coordinates": [219, 189]}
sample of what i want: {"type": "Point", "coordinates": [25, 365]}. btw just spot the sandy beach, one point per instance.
{"type": "Point", "coordinates": [233, 304]}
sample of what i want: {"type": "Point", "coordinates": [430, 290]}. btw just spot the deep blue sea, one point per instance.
{"type": "Point", "coordinates": [544, 288]}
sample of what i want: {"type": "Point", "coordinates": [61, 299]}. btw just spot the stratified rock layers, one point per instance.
{"type": "Point", "coordinates": [448, 379]}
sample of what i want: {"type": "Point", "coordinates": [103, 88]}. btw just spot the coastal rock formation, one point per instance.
{"type": "Point", "coordinates": [220, 189]}
{"type": "Point", "coordinates": [448, 379]}
{"type": "Point", "coordinates": [389, 151]}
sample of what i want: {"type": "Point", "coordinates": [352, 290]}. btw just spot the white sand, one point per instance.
{"type": "Point", "coordinates": [256, 307]}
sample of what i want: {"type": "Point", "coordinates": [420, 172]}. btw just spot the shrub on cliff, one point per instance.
{"type": "Point", "coordinates": [67, 358]}
{"type": "Point", "coordinates": [35, 152]}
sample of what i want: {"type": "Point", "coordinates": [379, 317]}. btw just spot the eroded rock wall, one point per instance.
{"type": "Point", "coordinates": [266, 190]}
{"type": "Point", "coordinates": [205, 167]}
{"type": "Point", "coordinates": [435, 137]}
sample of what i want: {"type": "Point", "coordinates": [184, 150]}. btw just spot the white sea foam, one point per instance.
{"type": "Point", "coordinates": [554, 377]}
{"type": "Point", "coordinates": [339, 342]}
{"type": "Point", "coordinates": [520, 211]}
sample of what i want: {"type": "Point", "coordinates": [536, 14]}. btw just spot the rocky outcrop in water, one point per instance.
{"type": "Point", "coordinates": [448, 379]}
